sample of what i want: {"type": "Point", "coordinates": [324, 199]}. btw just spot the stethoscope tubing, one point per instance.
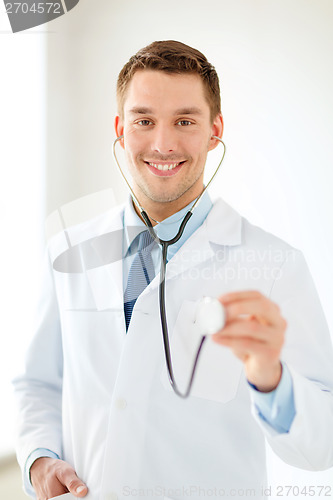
{"type": "Point", "coordinates": [165, 244]}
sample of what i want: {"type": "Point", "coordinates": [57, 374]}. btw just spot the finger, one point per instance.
{"type": "Point", "coordinates": [242, 295]}
{"type": "Point", "coordinates": [245, 346]}
{"type": "Point", "coordinates": [68, 478]}
{"type": "Point", "coordinates": [251, 336]}
{"type": "Point", "coordinates": [250, 329]}
{"type": "Point", "coordinates": [263, 309]}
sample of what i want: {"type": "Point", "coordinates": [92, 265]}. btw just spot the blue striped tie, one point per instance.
{"type": "Point", "coordinates": [141, 273]}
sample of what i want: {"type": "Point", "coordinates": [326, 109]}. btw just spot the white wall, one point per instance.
{"type": "Point", "coordinates": [275, 65]}
{"type": "Point", "coordinates": [274, 59]}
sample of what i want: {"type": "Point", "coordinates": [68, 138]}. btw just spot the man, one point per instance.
{"type": "Point", "coordinates": [98, 412]}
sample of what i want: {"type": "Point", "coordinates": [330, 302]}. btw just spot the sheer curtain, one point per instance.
{"type": "Point", "coordinates": [22, 180]}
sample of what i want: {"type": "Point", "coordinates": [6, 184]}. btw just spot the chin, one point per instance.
{"type": "Point", "coordinates": [163, 198]}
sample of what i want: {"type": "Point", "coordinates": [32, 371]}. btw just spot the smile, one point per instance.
{"type": "Point", "coordinates": [166, 166]}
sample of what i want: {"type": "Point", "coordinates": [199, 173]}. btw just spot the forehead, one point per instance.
{"type": "Point", "coordinates": [161, 91]}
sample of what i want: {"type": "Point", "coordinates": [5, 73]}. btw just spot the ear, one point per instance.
{"type": "Point", "coordinates": [119, 128]}
{"type": "Point", "coordinates": [217, 130]}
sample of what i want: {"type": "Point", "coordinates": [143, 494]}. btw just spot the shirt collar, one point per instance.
{"type": "Point", "coordinates": [169, 227]}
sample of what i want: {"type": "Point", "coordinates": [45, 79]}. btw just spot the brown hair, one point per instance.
{"type": "Point", "coordinates": [172, 57]}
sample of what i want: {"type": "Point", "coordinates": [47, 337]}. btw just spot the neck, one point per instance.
{"type": "Point", "coordinates": [158, 211]}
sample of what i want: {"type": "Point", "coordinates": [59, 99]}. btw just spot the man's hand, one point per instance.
{"type": "Point", "coordinates": [254, 330]}
{"type": "Point", "coordinates": [51, 477]}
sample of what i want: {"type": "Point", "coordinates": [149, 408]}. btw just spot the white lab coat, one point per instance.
{"type": "Point", "coordinates": [121, 426]}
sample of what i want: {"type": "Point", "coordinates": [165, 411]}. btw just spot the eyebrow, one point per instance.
{"type": "Point", "coordinates": [182, 111]}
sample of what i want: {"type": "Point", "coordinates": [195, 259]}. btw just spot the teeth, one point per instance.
{"type": "Point", "coordinates": [164, 167]}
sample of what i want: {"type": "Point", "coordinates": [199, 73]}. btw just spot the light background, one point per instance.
{"type": "Point", "coordinates": [275, 65]}
{"type": "Point", "coordinates": [274, 59]}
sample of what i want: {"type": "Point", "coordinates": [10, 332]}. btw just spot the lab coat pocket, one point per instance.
{"type": "Point", "coordinates": [218, 370]}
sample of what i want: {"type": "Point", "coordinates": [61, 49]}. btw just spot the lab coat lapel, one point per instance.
{"type": "Point", "coordinates": [221, 228]}
{"type": "Point", "coordinates": [106, 280]}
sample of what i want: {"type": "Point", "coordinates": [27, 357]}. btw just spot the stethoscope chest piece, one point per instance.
{"type": "Point", "coordinates": [210, 316]}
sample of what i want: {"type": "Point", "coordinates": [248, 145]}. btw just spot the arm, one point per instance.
{"type": "Point", "coordinates": [39, 395]}
{"type": "Point", "coordinates": [261, 338]}
{"type": "Point", "coordinates": [38, 388]}
{"type": "Point", "coordinates": [277, 407]}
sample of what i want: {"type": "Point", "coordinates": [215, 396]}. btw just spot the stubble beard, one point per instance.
{"type": "Point", "coordinates": [162, 196]}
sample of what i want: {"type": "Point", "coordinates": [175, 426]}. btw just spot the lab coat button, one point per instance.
{"type": "Point", "coordinates": [121, 403]}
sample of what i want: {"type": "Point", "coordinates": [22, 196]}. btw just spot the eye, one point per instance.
{"type": "Point", "coordinates": [144, 123]}
{"type": "Point", "coordinates": [184, 123]}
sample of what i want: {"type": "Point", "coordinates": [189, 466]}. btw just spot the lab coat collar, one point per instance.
{"type": "Point", "coordinates": [94, 248]}
{"type": "Point", "coordinates": [223, 225]}
{"type": "Point", "coordinates": [221, 228]}
{"type": "Point", "coordinates": [168, 228]}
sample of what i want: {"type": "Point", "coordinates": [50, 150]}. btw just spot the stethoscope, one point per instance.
{"type": "Point", "coordinates": [210, 314]}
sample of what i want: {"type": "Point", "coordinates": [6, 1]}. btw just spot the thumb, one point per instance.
{"type": "Point", "coordinates": [80, 490]}
{"type": "Point", "coordinates": [73, 483]}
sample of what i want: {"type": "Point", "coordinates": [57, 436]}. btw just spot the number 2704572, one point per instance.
{"type": "Point", "coordinates": [35, 8]}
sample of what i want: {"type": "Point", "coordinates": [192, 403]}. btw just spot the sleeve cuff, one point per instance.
{"type": "Point", "coordinates": [277, 407]}
{"type": "Point", "coordinates": [38, 453]}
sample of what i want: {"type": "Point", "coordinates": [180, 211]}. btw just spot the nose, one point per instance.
{"type": "Point", "coordinates": [163, 140]}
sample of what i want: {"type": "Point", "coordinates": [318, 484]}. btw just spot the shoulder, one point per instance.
{"type": "Point", "coordinates": [66, 236]}
{"type": "Point", "coordinates": [225, 220]}
{"type": "Point", "coordinates": [102, 223]}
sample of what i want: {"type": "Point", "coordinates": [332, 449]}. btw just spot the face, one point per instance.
{"type": "Point", "coordinates": [167, 134]}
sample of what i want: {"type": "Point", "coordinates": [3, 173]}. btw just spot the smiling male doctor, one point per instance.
{"type": "Point", "coordinates": [97, 411]}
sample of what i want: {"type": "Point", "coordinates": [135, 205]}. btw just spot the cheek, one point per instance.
{"type": "Point", "coordinates": [134, 144]}
{"type": "Point", "coordinates": [197, 144]}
